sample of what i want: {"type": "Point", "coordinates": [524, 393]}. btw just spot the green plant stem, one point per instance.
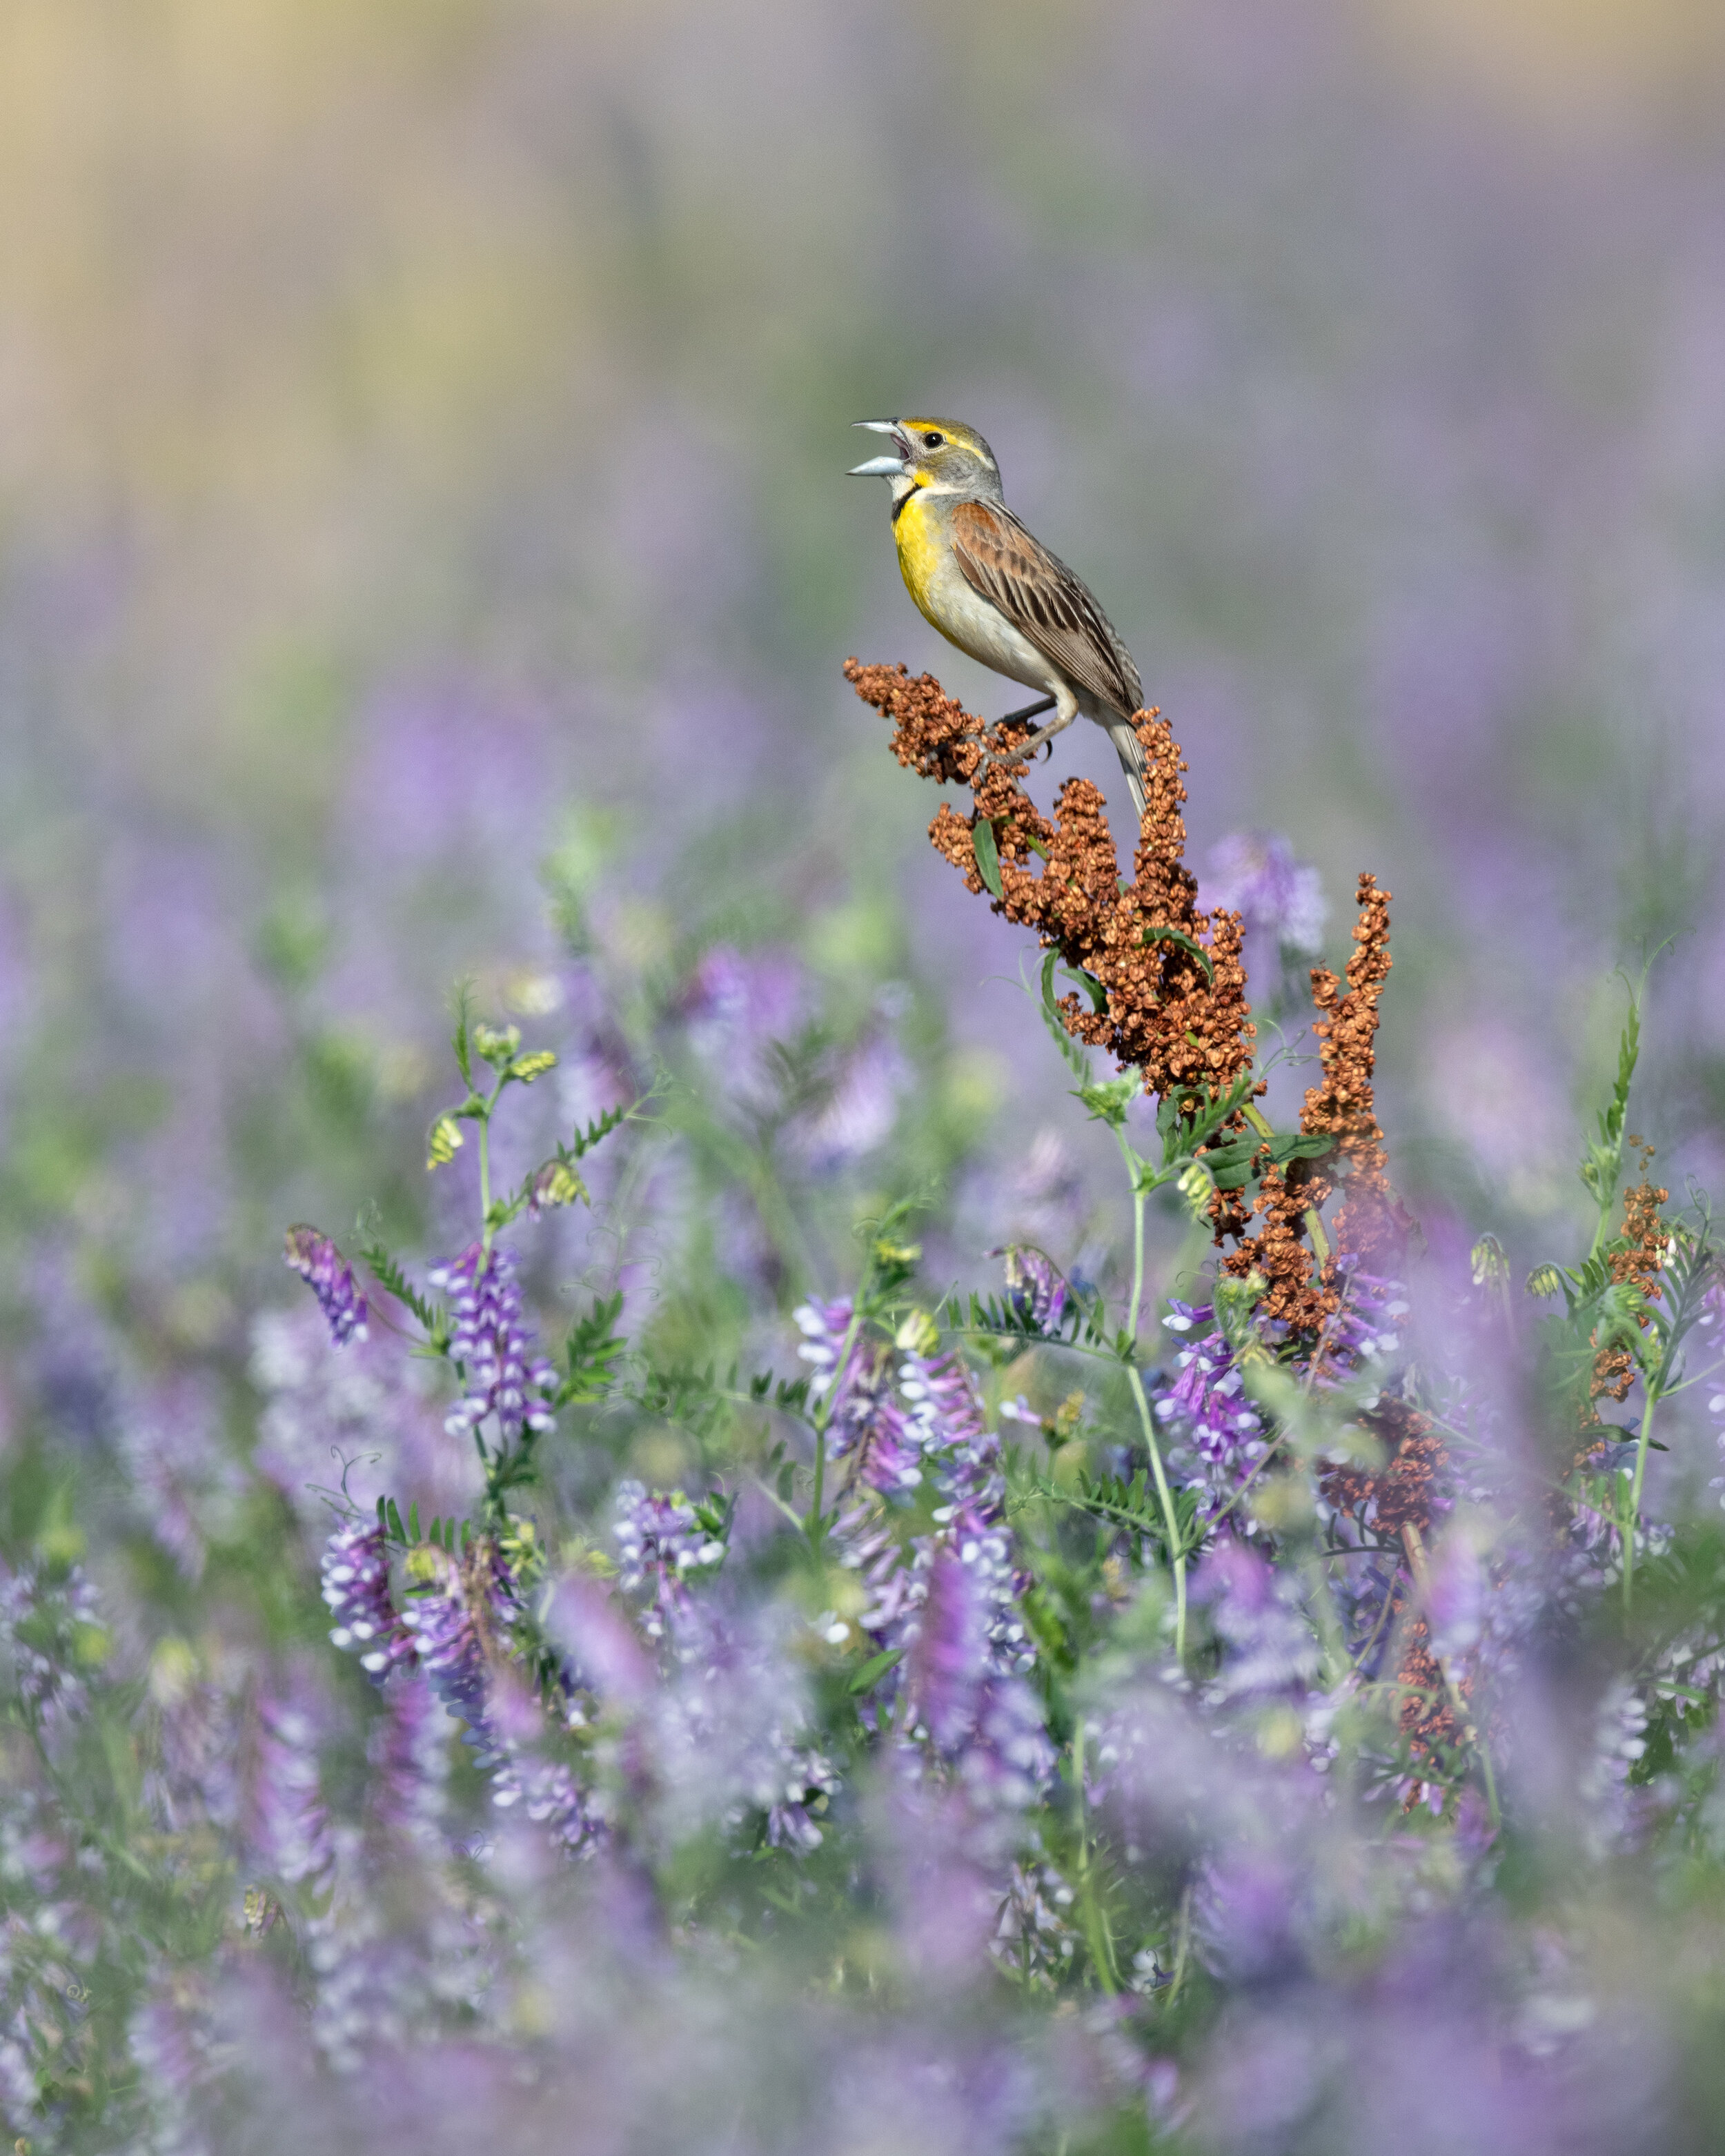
{"type": "Point", "coordinates": [1627, 1528]}
{"type": "Point", "coordinates": [1097, 1935]}
{"type": "Point", "coordinates": [1176, 1549]}
{"type": "Point", "coordinates": [487, 1227]}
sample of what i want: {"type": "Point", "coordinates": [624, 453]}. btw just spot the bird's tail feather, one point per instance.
{"type": "Point", "coordinates": [1131, 751]}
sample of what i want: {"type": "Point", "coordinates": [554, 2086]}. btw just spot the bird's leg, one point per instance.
{"type": "Point", "coordinates": [1024, 750]}
{"type": "Point", "coordinates": [1030, 711]}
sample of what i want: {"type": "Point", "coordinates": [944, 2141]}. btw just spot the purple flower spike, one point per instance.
{"type": "Point", "coordinates": [659, 1544]}
{"type": "Point", "coordinates": [949, 1661]}
{"type": "Point", "coordinates": [1035, 1288]}
{"type": "Point", "coordinates": [494, 1345]}
{"type": "Point", "coordinates": [356, 1585]}
{"type": "Point", "coordinates": [457, 1623]}
{"type": "Point", "coordinates": [317, 1261]}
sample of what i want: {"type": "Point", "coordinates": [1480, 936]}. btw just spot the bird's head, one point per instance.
{"type": "Point", "coordinates": [937, 453]}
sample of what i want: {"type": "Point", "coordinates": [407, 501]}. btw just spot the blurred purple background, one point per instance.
{"type": "Point", "coordinates": [421, 432]}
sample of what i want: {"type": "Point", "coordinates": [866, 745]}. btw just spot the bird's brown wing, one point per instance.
{"type": "Point", "coordinates": [1039, 595]}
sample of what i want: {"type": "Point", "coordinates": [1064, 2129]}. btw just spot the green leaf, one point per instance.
{"type": "Point", "coordinates": [1159, 935]}
{"type": "Point", "coordinates": [872, 1670]}
{"type": "Point", "coordinates": [385, 1269]}
{"type": "Point", "coordinates": [396, 1532]}
{"type": "Point", "coordinates": [987, 861]}
{"type": "Point", "coordinates": [1071, 1054]}
{"type": "Point", "coordinates": [458, 1040]}
{"type": "Point", "coordinates": [413, 1522]}
{"type": "Point", "coordinates": [786, 1478]}
{"type": "Point", "coordinates": [1299, 1145]}
{"type": "Point", "coordinates": [1092, 988]}
{"type": "Point", "coordinates": [602, 1126]}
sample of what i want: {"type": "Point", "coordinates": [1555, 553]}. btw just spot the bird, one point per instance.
{"type": "Point", "coordinates": [992, 588]}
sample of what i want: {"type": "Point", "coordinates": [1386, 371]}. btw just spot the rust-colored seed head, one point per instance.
{"type": "Point", "coordinates": [1637, 1260]}
{"type": "Point", "coordinates": [1180, 1018]}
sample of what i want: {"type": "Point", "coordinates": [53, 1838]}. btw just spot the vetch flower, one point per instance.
{"type": "Point", "coordinates": [660, 1542]}
{"type": "Point", "coordinates": [493, 1344]}
{"type": "Point", "coordinates": [327, 1274]}
{"type": "Point", "coordinates": [356, 1586]}
{"type": "Point", "coordinates": [1035, 1288]}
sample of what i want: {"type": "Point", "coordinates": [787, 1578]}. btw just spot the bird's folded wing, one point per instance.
{"type": "Point", "coordinates": [1039, 595]}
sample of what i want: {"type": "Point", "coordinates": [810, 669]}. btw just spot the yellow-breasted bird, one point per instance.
{"type": "Point", "coordinates": [997, 592]}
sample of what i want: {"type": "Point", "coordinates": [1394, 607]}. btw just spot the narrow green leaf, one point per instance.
{"type": "Point", "coordinates": [1160, 935]}
{"type": "Point", "coordinates": [872, 1670]}
{"type": "Point", "coordinates": [987, 861]}
{"type": "Point", "coordinates": [413, 1520]}
{"type": "Point", "coordinates": [397, 1532]}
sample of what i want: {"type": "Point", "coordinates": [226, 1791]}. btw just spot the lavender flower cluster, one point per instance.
{"type": "Point", "coordinates": [984, 1725]}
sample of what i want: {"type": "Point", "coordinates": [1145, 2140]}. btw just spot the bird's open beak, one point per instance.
{"type": "Point", "coordinates": [881, 467]}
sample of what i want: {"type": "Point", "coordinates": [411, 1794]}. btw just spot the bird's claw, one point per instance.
{"type": "Point", "coordinates": [1022, 751]}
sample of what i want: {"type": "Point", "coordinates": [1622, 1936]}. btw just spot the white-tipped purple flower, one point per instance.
{"type": "Point", "coordinates": [356, 1586]}
{"type": "Point", "coordinates": [492, 1342]}
{"type": "Point", "coordinates": [317, 1261]}
{"type": "Point", "coordinates": [52, 1637]}
{"type": "Point", "coordinates": [290, 1826]}
{"type": "Point", "coordinates": [1206, 1407]}
{"type": "Point", "coordinates": [1268, 1644]}
{"type": "Point", "coordinates": [1035, 1287]}
{"type": "Point", "coordinates": [660, 1545]}
{"type": "Point", "coordinates": [458, 1619]}
{"type": "Point", "coordinates": [866, 1426]}
{"type": "Point", "coordinates": [832, 1347]}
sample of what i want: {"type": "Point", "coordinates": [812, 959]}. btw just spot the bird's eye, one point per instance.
{"type": "Point", "coordinates": [933, 441]}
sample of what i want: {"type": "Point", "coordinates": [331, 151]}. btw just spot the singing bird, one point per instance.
{"type": "Point", "coordinates": [996, 592]}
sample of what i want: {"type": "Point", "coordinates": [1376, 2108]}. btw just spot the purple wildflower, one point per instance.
{"type": "Point", "coordinates": [458, 1619]}
{"type": "Point", "coordinates": [409, 1759]}
{"type": "Point", "coordinates": [866, 1427]}
{"type": "Point", "coordinates": [493, 1344]}
{"type": "Point", "coordinates": [1363, 1330]}
{"type": "Point", "coordinates": [835, 1351]}
{"type": "Point", "coordinates": [1035, 1936]}
{"type": "Point", "coordinates": [736, 1006]}
{"type": "Point", "coordinates": [808, 1781]}
{"type": "Point", "coordinates": [356, 1585]}
{"type": "Point", "coordinates": [1223, 1433]}
{"type": "Point", "coordinates": [1454, 1595]}
{"type": "Point", "coordinates": [660, 1542]}
{"type": "Point", "coordinates": [330, 1277]}
{"type": "Point", "coordinates": [1035, 1288]}
{"type": "Point", "coordinates": [1255, 874]}
{"type": "Point", "coordinates": [291, 1826]}
{"type": "Point", "coordinates": [948, 1660]}
{"type": "Point", "coordinates": [52, 1633]}
{"type": "Point", "coordinates": [1267, 1643]}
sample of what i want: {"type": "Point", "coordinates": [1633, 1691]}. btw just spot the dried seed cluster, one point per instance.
{"type": "Point", "coordinates": [1170, 994]}
{"type": "Point", "coordinates": [1371, 1226]}
{"type": "Point", "coordinates": [1173, 1005]}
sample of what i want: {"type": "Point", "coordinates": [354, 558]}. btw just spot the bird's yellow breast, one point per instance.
{"type": "Point", "coordinates": [920, 553]}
